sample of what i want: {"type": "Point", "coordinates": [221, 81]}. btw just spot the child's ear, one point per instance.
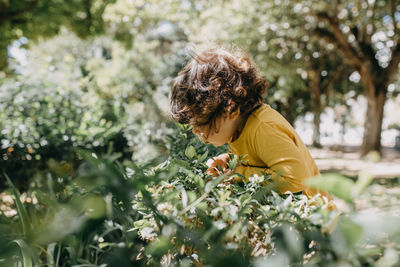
{"type": "Point", "coordinates": [234, 115]}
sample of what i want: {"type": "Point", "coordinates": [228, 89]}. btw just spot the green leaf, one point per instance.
{"type": "Point", "coordinates": [72, 254]}
{"type": "Point", "coordinates": [51, 249]}
{"type": "Point", "coordinates": [142, 224]}
{"type": "Point", "coordinates": [26, 224]}
{"type": "Point", "coordinates": [159, 247]}
{"type": "Point", "coordinates": [190, 152]}
{"type": "Point", "coordinates": [293, 240]}
{"type": "Point", "coordinates": [234, 230]}
{"type": "Point", "coordinates": [336, 184]}
{"type": "Point", "coordinates": [26, 254]}
{"type": "Point", "coordinates": [181, 163]}
{"type": "Point", "coordinates": [203, 157]}
{"type": "Point", "coordinates": [331, 225]}
{"type": "Point", "coordinates": [233, 162]}
{"type": "Point", "coordinates": [351, 231]}
{"type": "Point", "coordinates": [210, 185]}
{"type": "Point", "coordinates": [106, 244]}
{"type": "Point", "coordinates": [364, 179]}
{"type": "Point", "coordinates": [95, 207]}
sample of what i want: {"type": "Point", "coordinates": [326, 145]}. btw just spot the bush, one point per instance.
{"type": "Point", "coordinates": [91, 94]}
{"type": "Point", "coordinates": [42, 122]}
{"type": "Point", "coordinates": [173, 214]}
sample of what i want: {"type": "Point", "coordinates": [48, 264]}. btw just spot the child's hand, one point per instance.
{"type": "Point", "coordinates": [218, 165]}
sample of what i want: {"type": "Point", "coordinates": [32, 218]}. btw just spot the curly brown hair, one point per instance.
{"type": "Point", "coordinates": [216, 82]}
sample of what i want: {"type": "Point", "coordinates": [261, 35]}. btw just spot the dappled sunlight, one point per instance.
{"type": "Point", "coordinates": [94, 172]}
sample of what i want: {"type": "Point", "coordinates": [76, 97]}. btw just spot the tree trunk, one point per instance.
{"type": "Point", "coordinates": [317, 106]}
{"type": "Point", "coordinates": [373, 122]}
{"type": "Point", "coordinates": [317, 133]}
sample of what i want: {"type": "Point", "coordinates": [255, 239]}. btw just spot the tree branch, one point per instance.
{"type": "Point", "coordinates": [369, 53]}
{"type": "Point", "coordinates": [355, 31]}
{"type": "Point", "coordinates": [348, 55]}
{"type": "Point", "coordinates": [339, 38]}
{"type": "Point", "coordinates": [334, 78]}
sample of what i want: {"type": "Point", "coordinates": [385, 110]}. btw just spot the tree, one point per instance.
{"type": "Point", "coordinates": [302, 73]}
{"type": "Point", "coordinates": [34, 19]}
{"type": "Point", "coordinates": [246, 24]}
{"type": "Point", "coordinates": [367, 35]}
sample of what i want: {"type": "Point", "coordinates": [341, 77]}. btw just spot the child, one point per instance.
{"type": "Point", "coordinates": [220, 93]}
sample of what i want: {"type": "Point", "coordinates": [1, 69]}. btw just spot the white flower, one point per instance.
{"type": "Point", "coordinates": [256, 179]}
{"type": "Point", "coordinates": [164, 208]}
{"type": "Point", "coordinates": [233, 211]}
{"type": "Point", "coordinates": [147, 233]}
{"type": "Point", "coordinates": [220, 224]}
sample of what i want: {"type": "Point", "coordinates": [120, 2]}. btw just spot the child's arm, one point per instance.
{"type": "Point", "coordinates": [276, 147]}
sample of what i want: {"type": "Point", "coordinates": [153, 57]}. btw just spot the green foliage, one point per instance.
{"type": "Point", "coordinates": [43, 123]}
{"type": "Point", "coordinates": [341, 186]}
{"type": "Point", "coordinates": [36, 19]}
{"type": "Point", "coordinates": [93, 95]}
{"type": "Point", "coordinates": [174, 214]}
{"type": "Point", "coordinates": [26, 226]}
{"type": "Point", "coordinates": [113, 183]}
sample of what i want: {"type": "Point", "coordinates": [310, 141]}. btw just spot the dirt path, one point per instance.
{"type": "Point", "coordinates": [346, 160]}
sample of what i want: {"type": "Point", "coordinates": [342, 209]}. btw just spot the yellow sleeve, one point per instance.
{"type": "Point", "coordinates": [275, 146]}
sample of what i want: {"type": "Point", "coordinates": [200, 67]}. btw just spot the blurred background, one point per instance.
{"type": "Point", "coordinates": [96, 75]}
{"type": "Point", "coordinates": [90, 73]}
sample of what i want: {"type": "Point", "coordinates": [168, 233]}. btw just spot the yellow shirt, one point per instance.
{"type": "Point", "coordinates": [271, 145]}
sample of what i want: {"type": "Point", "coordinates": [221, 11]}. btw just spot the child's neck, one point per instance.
{"type": "Point", "coordinates": [240, 123]}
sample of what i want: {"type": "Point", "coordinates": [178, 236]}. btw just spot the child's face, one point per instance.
{"type": "Point", "coordinates": [227, 127]}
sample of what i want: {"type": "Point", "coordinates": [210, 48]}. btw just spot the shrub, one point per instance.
{"type": "Point", "coordinates": [91, 94]}
{"type": "Point", "coordinates": [42, 122]}
{"type": "Point", "coordinates": [123, 214]}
